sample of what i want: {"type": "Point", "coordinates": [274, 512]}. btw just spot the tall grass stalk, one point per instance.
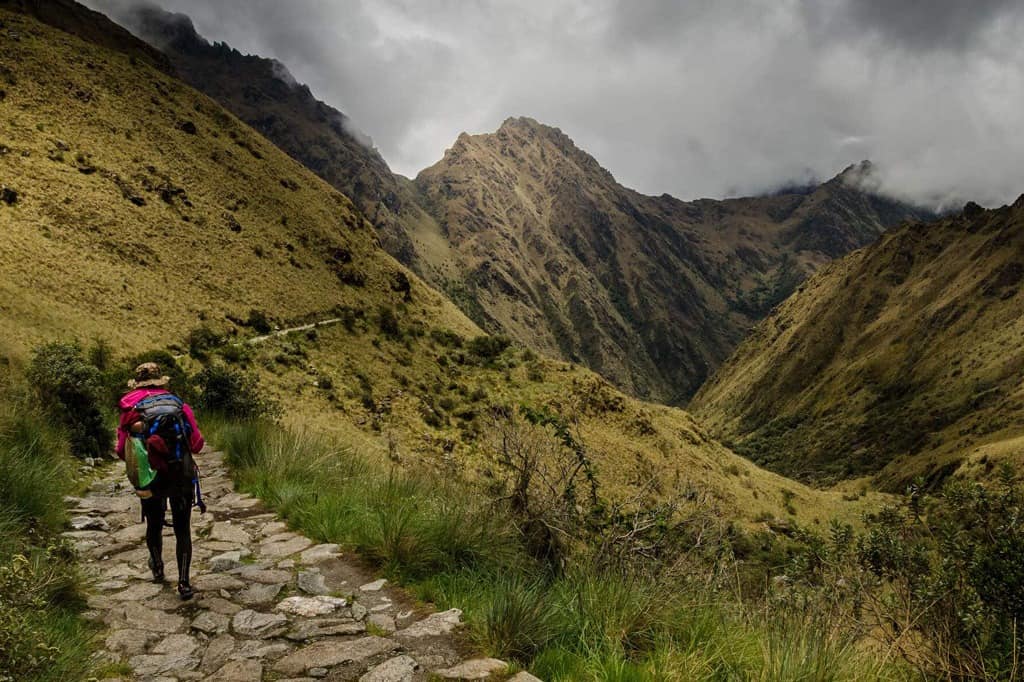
{"type": "Point", "coordinates": [456, 548]}
{"type": "Point", "coordinates": [42, 636]}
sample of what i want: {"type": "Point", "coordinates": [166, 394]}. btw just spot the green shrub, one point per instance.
{"type": "Point", "coordinates": [42, 636]}
{"type": "Point", "coordinates": [446, 338]}
{"type": "Point", "coordinates": [69, 390]}
{"type": "Point", "coordinates": [233, 393]}
{"type": "Point", "coordinates": [487, 349]}
{"type": "Point", "coordinates": [388, 323]}
{"type": "Point", "coordinates": [35, 469]}
{"type": "Point", "coordinates": [201, 340]}
{"type": "Point", "coordinates": [259, 322]}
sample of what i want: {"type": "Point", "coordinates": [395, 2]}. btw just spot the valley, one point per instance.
{"type": "Point", "coordinates": [629, 437]}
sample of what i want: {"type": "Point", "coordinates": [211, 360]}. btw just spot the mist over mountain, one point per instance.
{"type": "Point", "coordinates": [691, 99]}
{"type": "Point", "coordinates": [532, 238]}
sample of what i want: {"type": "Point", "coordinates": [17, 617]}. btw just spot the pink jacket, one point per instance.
{"type": "Point", "coordinates": [129, 416]}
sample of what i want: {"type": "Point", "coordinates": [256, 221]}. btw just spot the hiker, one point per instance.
{"type": "Point", "coordinates": [162, 429]}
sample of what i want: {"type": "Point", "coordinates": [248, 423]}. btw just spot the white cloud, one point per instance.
{"type": "Point", "coordinates": [694, 99]}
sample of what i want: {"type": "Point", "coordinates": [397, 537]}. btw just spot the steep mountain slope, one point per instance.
{"type": "Point", "coordinates": [136, 210]}
{"type": "Point", "coordinates": [262, 93]}
{"type": "Point", "coordinates": [902, 359]}
{"type": "Point", "coordinates": [533, 239]}
{"type": "Point", "coordinates": [651, 292]}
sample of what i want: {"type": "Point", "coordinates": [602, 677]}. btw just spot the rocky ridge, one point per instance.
{"type": "Point", "coordinates": [533, 239]}
{"type": "Point", "coordinates": [270, 603]}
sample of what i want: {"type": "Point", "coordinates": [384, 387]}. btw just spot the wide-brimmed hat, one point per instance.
{"type": "Point", "coordinates": [148, 375]}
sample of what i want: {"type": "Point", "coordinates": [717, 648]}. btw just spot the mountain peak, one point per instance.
{"type": "Point", "coordinates": [165, 29]}
{"type": "Point", "coordinates": [860, 175]}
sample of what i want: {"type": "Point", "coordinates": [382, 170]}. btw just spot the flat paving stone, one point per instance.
{"type": "Point", "coordinates": [285, 547]}
{"type": "Point", "coordinates": [309, 607]}
{"type": "Point", "coordinates": [477, 669]}
{"type": "Point", "coordinates": [249, 623]}
{"type": "Point", "coordinates": [217, 653]}
{"type": "Point", "coordinates": [258, 593]}
{"type": "Point", "coordinates": [398, 669]}
{"type": "Point", "coordinates": [213, 583]}
{"type": "Point", "coordinates": [319, 553]}
{"type": "Point", "coordinates": [434, 625]}
{"type": "Point", "coordinates": [245, 670]}
{"type": "Point", "coordinates": [211, 623]}
{"type": "Point", "coordinates": [229, 532]}
{"type": "Point", "coordinates": [327, 654]}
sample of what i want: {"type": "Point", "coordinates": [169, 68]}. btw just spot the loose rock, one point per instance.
{"type": "Point", "coordinates": [312, 583]}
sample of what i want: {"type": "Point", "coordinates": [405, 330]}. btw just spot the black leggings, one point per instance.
{"type": "Point", "coordinates": [153, 510]}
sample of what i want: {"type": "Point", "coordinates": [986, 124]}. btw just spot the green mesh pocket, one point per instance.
{"type": "Point", "coordinates": [136, 464]}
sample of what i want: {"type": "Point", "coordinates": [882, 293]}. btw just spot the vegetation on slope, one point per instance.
{"type": "Point", "coordinates": [657, 603]}
{"type": "Point", "coordinates": [143, 214]}
{"type": "Point", "coordinates": [651, 292]}
{"type": "Point", "coordinates": [532, 239]}
{"type": "Point", "coordinates": [42, 636]}
{"type": "Point", "coordinates": [901, 360]}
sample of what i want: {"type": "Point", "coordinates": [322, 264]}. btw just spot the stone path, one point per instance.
{"type": "Point", "coordinates": [269, 605]}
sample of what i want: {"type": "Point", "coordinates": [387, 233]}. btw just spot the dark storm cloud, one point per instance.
{"type": "Point", "coordinates": [925, 24]}
{"type": "Point", "coordinates": [702, 98]}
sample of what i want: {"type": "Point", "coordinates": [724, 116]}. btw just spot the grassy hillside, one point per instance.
{"type": "Point", "coordinates": [139, 212]}
{"type": "Point", "coordinates": [531, 238]}
{"type": "Point", "coordinates": [651, 292]}
{"type": "Point", "coordinates": [901, 360]}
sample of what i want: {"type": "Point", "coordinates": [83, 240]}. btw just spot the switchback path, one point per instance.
{"type": "Point", "coordinates": [270, 604]}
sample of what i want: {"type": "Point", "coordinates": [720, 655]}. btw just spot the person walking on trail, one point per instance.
{"type": "Point", "coordinates": [156, 437]}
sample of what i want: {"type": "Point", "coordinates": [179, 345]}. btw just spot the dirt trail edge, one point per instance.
{"type": "Point", "coordinates": [270, 604]}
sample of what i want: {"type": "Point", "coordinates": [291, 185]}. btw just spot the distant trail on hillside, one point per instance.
{"type": "Point", "coordinates": [284, 332]}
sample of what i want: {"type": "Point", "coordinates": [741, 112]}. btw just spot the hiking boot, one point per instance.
{"type": "Point", "coordinates": [185, 591]}
{"type": "Point", "coordinates": [158, 570]}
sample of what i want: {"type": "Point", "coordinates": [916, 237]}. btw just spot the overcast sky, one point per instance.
{"type": "Point", "coordinates": [708, 98]}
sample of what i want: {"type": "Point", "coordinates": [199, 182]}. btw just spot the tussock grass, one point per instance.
{"type": "Point", "coordinates": [455, 547]}
{"type": "Point", "coordinates": [42, 636]}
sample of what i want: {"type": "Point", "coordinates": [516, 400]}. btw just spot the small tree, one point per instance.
{"type": "Point", "coordinates": [70, 390]}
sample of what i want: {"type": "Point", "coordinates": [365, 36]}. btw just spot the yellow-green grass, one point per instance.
{"type": "Point", "coordinates": [42, 636]}
{"type": "Point", "coordinates": [456, 548]}
{"type": "Point", "coordinates": [900, 361]}
{"type": "Point", "coordinates": [228, 224]}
